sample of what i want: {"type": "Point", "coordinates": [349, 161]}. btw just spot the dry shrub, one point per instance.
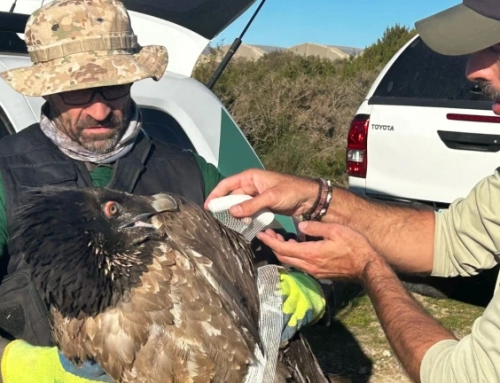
{"type": "Point", "coordinates": [300, 125]}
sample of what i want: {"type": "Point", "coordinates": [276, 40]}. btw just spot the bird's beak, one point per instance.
{"type": "Point", "coordinates": [161, 203]}
{"type": "Point", "coordinates": [139, 220]}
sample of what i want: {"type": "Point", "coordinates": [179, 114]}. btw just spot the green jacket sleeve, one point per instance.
{"type": "Point", "coordinates": [211, 175]}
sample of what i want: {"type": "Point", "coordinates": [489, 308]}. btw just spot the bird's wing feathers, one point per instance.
{"type": "Point", "coordinates": [116, 336]}
{"type": "Point", "coordinates": [222, 256]}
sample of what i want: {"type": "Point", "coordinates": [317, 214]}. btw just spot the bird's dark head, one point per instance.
{"type": "Point", "coordinates": [85, 247]}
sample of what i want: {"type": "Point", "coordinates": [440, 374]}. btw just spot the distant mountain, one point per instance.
{"type": "Point", "coordinates": [349, 50]}
{"type": "Point", "coordinates": [253, 52]}
{"type": "Point", "coordinates": [269, 48]}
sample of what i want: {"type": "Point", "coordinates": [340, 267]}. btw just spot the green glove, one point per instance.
{"type": "Point", "coordinates": [303, 302]}
{"type": "Point", "coordinates": [24, 363]}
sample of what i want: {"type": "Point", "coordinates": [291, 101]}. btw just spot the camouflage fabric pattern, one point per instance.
{"type": "Point", "coordinates": [77, 44]}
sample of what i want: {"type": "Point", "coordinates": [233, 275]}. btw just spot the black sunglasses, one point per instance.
{"type": "Point", "coordinates": [85, 96]}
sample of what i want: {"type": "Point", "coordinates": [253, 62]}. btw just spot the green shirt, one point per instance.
{"type": "Point", "coordinates": [101, 176]}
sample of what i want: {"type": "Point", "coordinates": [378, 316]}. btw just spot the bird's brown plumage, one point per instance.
{"type": "Point", "coordinates": [191, 317]}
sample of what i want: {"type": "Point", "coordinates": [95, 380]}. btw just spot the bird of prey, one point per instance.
{"type": "Point", "coordinates": [153, 288]}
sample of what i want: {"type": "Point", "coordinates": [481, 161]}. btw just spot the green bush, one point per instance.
{"type": "Point", "coordinates": [378, 54]}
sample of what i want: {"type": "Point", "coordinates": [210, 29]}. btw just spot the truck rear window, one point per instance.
{"type": "Point", "coordinates": [422, 77]}
{"type": "Point", "coordinates": [11, 43]}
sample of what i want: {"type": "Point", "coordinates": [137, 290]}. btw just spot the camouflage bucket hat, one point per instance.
{"type": "Point", "coordinates": [78, 44]}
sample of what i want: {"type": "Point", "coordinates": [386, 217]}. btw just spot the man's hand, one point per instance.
{"type": "Point", "coordinates": [24, 363]}
{"type": "Point", "coordinates": [342, 253]}
{"type": "Point", "coordinates": [280, 193]}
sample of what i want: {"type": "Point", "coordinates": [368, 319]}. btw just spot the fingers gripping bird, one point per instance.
{"type": "Point", "coordinates": [152, 288]}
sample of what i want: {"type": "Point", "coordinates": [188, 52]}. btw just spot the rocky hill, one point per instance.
{"type": "Point", "coordinates": [254, 52]}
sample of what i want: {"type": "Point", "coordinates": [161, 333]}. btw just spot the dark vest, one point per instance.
{"type": "Point", "coordinates": [29, 159]}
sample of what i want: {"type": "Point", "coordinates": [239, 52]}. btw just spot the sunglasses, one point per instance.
{"type": "Point", "coordinates": [85, 96]}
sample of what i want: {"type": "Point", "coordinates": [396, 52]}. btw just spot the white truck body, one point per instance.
{"type": "Point", "coordinates": [431, 134]}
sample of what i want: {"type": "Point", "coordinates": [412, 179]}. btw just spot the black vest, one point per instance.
{"type": "Point", "coordinates": [30, 159]}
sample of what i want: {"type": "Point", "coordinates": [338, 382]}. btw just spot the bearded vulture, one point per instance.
{"type": "Point", "coordinates": [153, 288]}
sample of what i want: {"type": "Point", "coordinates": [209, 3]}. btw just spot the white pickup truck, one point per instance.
{"type": "Point", "coordinates": [428, 133]}
{"type": "Point", "coordinates": [423, 133]}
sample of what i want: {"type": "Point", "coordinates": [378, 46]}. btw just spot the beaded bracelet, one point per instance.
{"type": "Point", "coordinates": [324, 203]}
{"type": "Point", "coordinates": [323, 199]}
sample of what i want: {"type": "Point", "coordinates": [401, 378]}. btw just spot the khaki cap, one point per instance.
{"type": "Point", "coordinates": [79, 44]}
{"type": "Point", "coordinates": [465, 28]}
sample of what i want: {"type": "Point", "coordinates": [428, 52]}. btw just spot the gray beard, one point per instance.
{"type": "Point", "coordinates": [105, 145]}
{"type": "Point", "coordinates": [489, 92]}
{"type": "Point", "coordinates": [102, 146]}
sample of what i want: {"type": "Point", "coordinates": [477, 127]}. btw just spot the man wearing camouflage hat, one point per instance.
{"type": "Point", "coordinates": [86, 58]}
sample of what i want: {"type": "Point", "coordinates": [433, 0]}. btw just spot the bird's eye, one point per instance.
{"type": "Point", "coordinates": [111, 208]}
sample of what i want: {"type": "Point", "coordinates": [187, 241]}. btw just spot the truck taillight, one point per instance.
{"type": "Point", "coordinates": [356, 146]}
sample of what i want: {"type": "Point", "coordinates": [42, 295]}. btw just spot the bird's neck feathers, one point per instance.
{"type": "Point", "coordinates": [78, 277]}
{"type": "Point", "coordinates": [81, 257]}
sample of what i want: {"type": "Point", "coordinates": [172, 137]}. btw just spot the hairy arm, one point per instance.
{"type": "Point", "coordinates": [461, 240]}
{"type": "Point", "coordinates": [409, 329]}
{"type": "Point", "coordinates": [429, 352]}
{"type": "Point", "coordinates": [403, 234]}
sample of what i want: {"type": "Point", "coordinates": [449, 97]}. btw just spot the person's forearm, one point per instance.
{"type": "Point", "coordinates": [409, 329]}
{"type": "Point", "coordinates": [404, 236]}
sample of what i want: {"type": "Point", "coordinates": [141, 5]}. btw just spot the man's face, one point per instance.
{"type": "Point", "coordinates": [94, 118]}
{"type": "Point", "coordinates": [484, 67]}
